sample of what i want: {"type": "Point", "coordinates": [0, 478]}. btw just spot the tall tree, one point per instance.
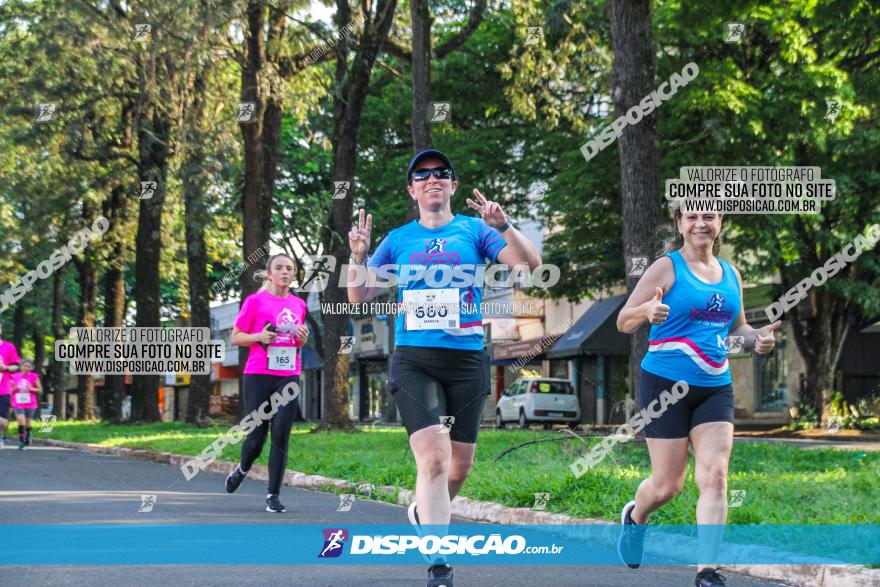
{"type": "Point", "coordinates": [419, 57]}
{"type": "Point", "coordinates": [57, 376]}
{"type": "Point", "coordinates": [634, 73]}
{"type": "Point", "coordinates": [197, 221]}
{"type": "Point", "coordinates": [352, 83]}
{"type": "Point", "coordinates": [265, 65]}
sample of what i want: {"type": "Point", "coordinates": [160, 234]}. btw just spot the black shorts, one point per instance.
{"type": "Point", "coordinates": [699, 406]}
{"type": "Point", "coordinates": [431, 383]}
{"type": "Point", "coordinates": [4, 406]}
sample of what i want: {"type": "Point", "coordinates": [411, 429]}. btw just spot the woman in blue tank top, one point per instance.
{"type": "Point", "coordinates": [693, 301]}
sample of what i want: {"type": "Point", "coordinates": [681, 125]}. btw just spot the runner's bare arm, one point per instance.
{"type": "Point", "coordinates": [761, 339]}
{"type": "Point", "coordinates": [241, 338]}
{"type": "Point", "coordinates": [645, 304]}
{"type": "Point", "coordinates": [519, 249]}
{"type": "Point", "coordinates": [359, 242]}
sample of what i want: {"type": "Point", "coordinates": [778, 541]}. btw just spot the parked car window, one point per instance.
{"type": "Point", "coordinates": [561, 387]}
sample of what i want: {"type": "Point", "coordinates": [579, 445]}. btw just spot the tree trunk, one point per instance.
{"type": "Point", "coordinates": [153, 150]}
{"type": "Point", "coordinates": [421, 85]}
{"type": "Point", "coordinates": [351, 87]}
{"type": "Point", "coordinates": [57, 375]}
{"type": "Point", "coordinates": [256, 212]}
{"type": "Point", "coordinates": [196, 221]}
{"type": "Point", "coordinates": [88, 297]}
{"type": "Point", "coordinates": [634, 72]}
{"type": "Point", "coordinates": [820, 341]}
{"type": "Point", "coordinates": [253, 89]}
{"type": "Point", "coordinates": [116, 210]}
{"type": "Point", "coordinates": [18, 327]}
{"type": "Point", "coordinates": [114, 296]}
{"type": "Point", "coordinates": [39, 351]}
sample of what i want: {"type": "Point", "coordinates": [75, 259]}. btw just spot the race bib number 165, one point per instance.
{"type": "Point", "coordinates": [281, 358]}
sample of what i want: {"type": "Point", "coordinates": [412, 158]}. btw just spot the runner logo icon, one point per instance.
{"type": "Point", "coordinates": [334, 541]}
{"type": "Point", "coordinates": [715, 303]}
{"type": "Point", "coordinates": [435, 245]}
{"type": "Point", "coordinates": [713, 314]}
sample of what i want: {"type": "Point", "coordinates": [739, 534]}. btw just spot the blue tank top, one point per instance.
{"type": "Point", "coordinates": [691, 344]}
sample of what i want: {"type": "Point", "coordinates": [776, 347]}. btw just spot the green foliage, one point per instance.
{"type": "Point", "coordinates": [804, 416]}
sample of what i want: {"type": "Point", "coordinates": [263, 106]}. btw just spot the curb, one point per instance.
{"type": "Point", "coordinates": [830, 575]}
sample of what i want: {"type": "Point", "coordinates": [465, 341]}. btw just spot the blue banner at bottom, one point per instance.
{"type": "Point", "coordinates": [288, 544]}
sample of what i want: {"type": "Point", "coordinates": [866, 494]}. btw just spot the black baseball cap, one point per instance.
{"type": "Point", "coordinates": [426, 154]}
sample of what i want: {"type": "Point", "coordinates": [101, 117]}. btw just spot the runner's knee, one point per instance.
{"type": "Point", "coordinates": [434, 463]}
{"type": "Point", "coordinates": [458, 472]}
{"type": "Point", "coordinates": [666, 489]}
{"type": "Point", "coordinates": [712, 478]}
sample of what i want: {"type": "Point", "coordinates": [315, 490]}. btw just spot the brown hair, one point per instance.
{"type": "Point", "coordinates": [672, 238]}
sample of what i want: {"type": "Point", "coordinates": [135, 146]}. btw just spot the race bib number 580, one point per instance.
{"type": "Point", "coordinates": [431, 309]}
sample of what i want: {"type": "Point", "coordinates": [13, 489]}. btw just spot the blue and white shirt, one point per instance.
{"type": "Point", "coordinates": [692, 343]}
{"type": "Point", "coordinates": [465, 241]}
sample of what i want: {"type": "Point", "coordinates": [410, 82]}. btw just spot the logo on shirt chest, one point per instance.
{"type": "Point", "coordinates": [285, 321]}
{"type": "Point", "coordinates": [714, 311]}
{"type": "Point", "coordinates": [435, 253]}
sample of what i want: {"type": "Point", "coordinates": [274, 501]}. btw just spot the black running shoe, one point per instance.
{"type": "Point", "coordinates": [27, 438]}
{"type": "Point", "coordinates": [273, 505]}
{"type": "Point", "coordinates": [439, 576]}
{"type": "Point", "coordinates": [709, 578]}
{"type": "Point", "coordinates": [234, 479]}
{"type": "Point", "coordinates": [631, 544]}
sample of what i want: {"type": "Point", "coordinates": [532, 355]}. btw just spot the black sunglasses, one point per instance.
{"type": "Point", "coordinates": [439, 173]}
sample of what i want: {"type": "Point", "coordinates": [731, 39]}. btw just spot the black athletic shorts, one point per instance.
{"type": "Point", "coordinates": [4, 406]}
{"type": "Point", "coordinates": [430, 383]}
{"type": "Point", "coordinates": [699, 406]}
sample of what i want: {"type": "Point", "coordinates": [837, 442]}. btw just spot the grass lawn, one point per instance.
{"type": "Point", "coordinates": [783, 484]}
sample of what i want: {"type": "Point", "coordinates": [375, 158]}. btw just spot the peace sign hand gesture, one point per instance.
{"type": "Point", "coordinates": [491, 212]}
{"type": "Point", "coordinates": [359, 236]}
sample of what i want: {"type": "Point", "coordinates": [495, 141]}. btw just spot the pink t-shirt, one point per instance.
{"type": "Point", "coordinates": [286, 314]}
{"type": "Point", "coordinates": [20, 383]}
{"type": "Point", "coordinates": [9, 356]}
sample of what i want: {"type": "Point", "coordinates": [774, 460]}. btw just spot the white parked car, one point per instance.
{"type": "Point", "coordinates": [538, 400]}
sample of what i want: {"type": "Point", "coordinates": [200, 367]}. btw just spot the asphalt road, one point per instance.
{"type": "Point", "coordinates": [49, 485]}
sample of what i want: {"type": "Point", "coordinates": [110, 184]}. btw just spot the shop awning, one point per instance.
{"type": "Point", "coordinates": [507, 353]}
{"type": "Point", "coordinates": [595, 333]}
{"type": "Point", "coordinates": [871, 329]}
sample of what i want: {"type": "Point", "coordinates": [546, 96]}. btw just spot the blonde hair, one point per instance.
{"type": "Point", "coordinates": [263, 274]}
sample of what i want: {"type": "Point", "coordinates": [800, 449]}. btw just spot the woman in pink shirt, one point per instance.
{"type": "Point", "coordinates": [271, 323]}
{"type": "Point", "coordinates": [24, 388]}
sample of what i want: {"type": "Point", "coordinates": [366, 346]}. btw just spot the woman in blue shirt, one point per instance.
{"type": "Point", "coordinates": [440, 370]}
{"type": "Point", "coordinates": [693, 300]}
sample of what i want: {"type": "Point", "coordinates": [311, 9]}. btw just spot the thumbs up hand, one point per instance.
{"type": "Point", "coordinates": [764, 341]}
{"type": "Point", "coordinates": [656, 310]}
